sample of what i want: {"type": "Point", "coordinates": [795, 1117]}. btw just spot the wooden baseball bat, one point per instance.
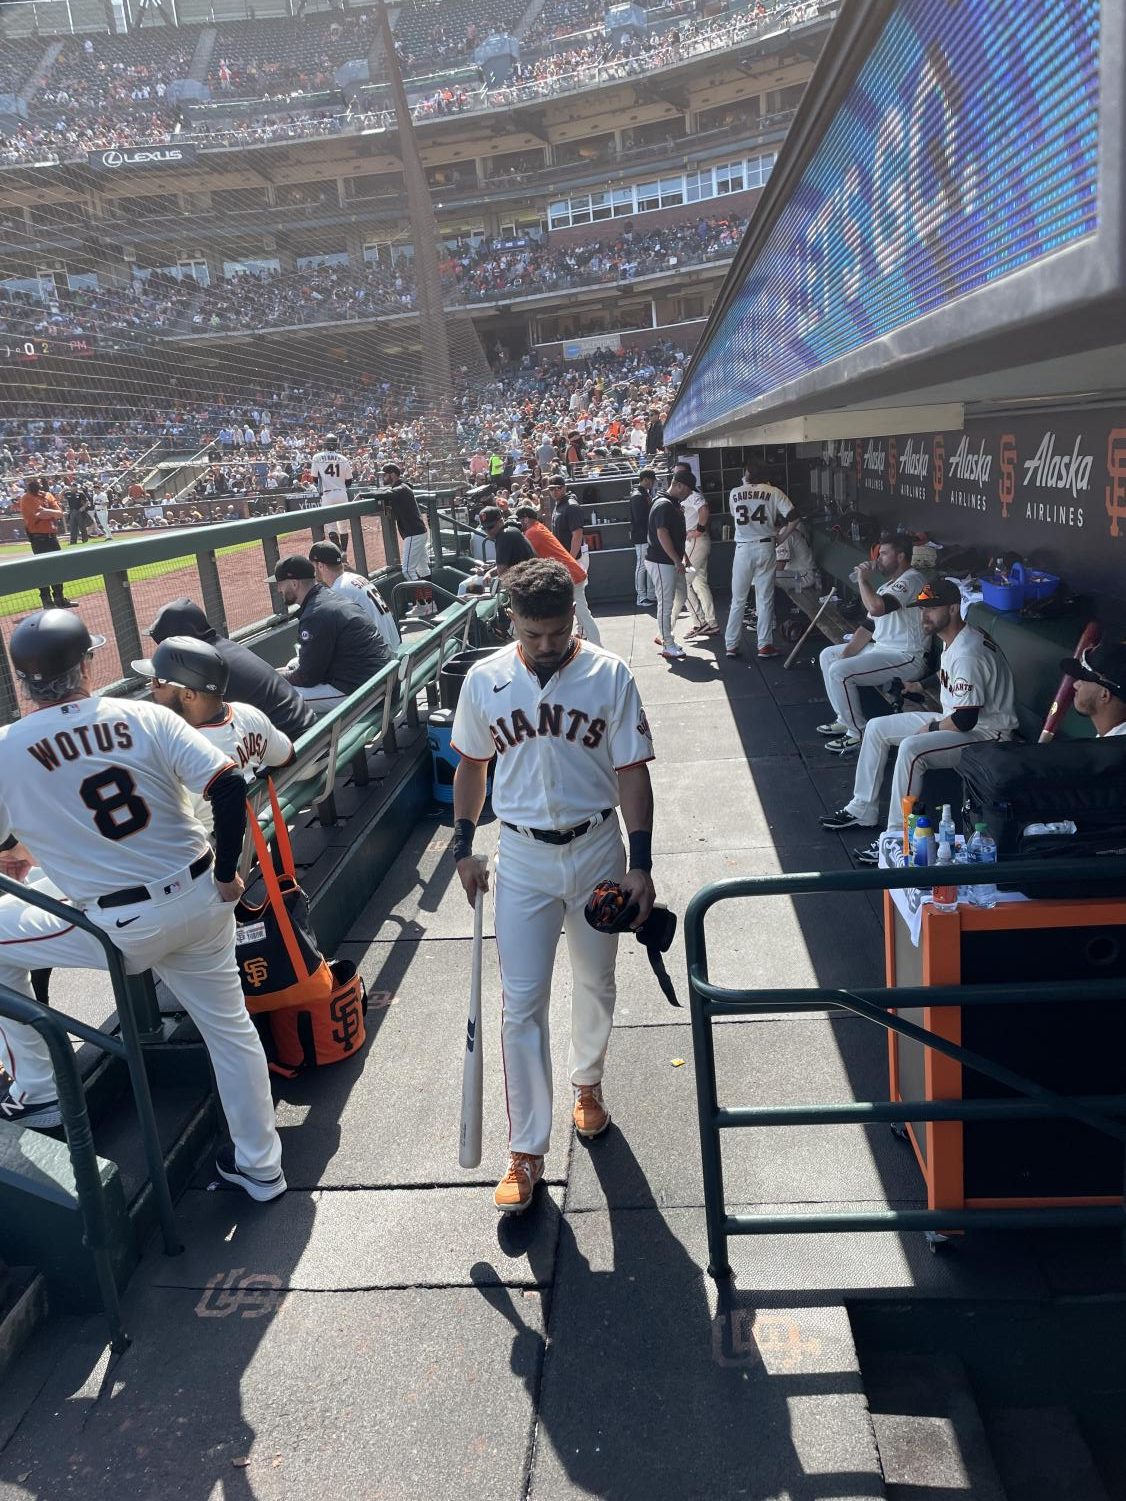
{"type": "Point", "coordinates": [810, 628]}
{"type": "Point", "coordinates": [469, 1148]}
{"type": "Point", "coordinates": [1061, 701]}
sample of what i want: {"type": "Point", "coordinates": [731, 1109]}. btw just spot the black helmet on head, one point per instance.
{"type": "Point", "coordinates": [331, 440]}
{"type": "Point", "coordinates": [187, 662]}
{"type": "Point", "coordinates": [49, 643]}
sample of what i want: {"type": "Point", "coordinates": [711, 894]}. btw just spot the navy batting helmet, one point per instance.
{"type": "Point", "coordinates": [187, 662]}
{"type": "Point", "coordinates": [49, 643]}
{"type": "Point", "coordinates": [331, 440]}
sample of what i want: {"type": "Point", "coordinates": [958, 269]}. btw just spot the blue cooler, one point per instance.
{"type": "Point", "coordinates": [438, 736]}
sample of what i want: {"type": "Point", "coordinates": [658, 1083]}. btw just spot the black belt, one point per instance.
{"type": "Point", "coordinates": [130, 895]}
{"type": "Point", "coordinates": [561, 836]}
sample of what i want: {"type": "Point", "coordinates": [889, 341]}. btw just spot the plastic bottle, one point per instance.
{"type": "Point", "coordinates": [912, 826]}
{"type": "Point", "coordinates": [924, 842]}
{"type": "Point", "coordinates": [908, 809]}
{"type": "Point", "coordinates": [947, 833]}
{"type": "Point", "coordinates": [944, 898]}
{"type": "Point", "coordinates": [983, 851]}
{"type": "Point", "coordinates": [962, 856]}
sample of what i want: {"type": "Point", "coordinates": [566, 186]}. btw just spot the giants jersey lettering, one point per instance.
{"type": "Point", "coordinates": [973, 674]}
{"type": "Point", "coordinates": [558, 747]}
{"type": "Point", "coordinates": [333, 471]}
{"type": "Point", "coordinates": [902, 629]}
{"type": "Point", "coordinates": [759, 510]}
{"type": "Point", "coordinates": [247, 738]}
{"type": "Point", "coordinates": [98, 790]}
{"type": "Point", "coordinates": [364, 593]}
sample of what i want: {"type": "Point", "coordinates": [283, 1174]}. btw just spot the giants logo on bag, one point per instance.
{"type": "Point", "coordinates": [347, 1019]}
{"type": "Point", "coordinates": [257, 972]}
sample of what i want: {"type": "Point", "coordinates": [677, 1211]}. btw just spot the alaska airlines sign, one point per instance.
{"type": "Point", "coordinates": [143, 156]}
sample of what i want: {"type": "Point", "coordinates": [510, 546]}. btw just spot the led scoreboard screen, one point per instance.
{"type": "Point", "coordinates": [28, 351]}
{"type": "Point", "coordinates": [966, 148]}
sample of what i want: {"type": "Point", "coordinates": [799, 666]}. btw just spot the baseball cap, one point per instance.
{"type": "Point", "coordinates": [326, 552]}
{"type": "Point", "coordinates": [292, 568]}
{"type": "Point", "coordinates": [1104, 664]}
{"type": "Point", "coordinates": [554, 480]}
{"type": "Point", "coordinates": [938, 592]}
{"type": "Point", "coordinates": [390, 468]}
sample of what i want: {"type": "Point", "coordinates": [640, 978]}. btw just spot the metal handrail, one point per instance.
{"type": "Point", "coordinates": [708, 1000]}
{"type": "Point", "coordinates": [53, 1028]}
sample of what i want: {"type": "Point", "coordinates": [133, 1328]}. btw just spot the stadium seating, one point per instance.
{"type": "Point", "coordinates": [256, 59]}
{"type": "Point", "coordinates": [17, 62]}
{"type": "Point", "coordinates": [432, 32]}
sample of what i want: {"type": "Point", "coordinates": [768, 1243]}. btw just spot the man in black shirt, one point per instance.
{"type": "Point", "coordinates": [338, 647]}
{"type": "Point", "coordinates": [640, 499]}
{"type": "Point", "coordinates": [510, 547]}
{"type": "Point", "coordinates": [666, 563]}
{"type": "Point", "coordinates": [250, 679]}
{"type": "Point", "coordinates": [79, 506]}
{"type": "Point", "coordinates": [566, 515]}
{"type": "Point", "coordinates": [414, 553]}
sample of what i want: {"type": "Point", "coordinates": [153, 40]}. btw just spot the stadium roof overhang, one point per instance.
{"type": "Point", "coordinates": [943, 230]}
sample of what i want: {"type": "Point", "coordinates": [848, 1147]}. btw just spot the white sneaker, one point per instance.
{"type": "Point", "coordinates": [673, 653]}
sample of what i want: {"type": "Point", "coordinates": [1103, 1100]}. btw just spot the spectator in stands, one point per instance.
{"type": "Point", "coordinates": [339, 649]}
{"type": "Point", "coordinates": [251, 680]}
{"type": "Point", "coordinates": [40, 512]}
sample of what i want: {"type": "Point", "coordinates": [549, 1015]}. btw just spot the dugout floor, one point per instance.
{"type": "Point", "coordinates": [377, 1333]}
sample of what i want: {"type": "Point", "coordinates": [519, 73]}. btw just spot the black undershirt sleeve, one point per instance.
{"type": "Point", "coordinates": [891, 603]}
{"type": "Point", "coordinates": [965, 719]}
{"type": "Point", "coordinates": [228, 806]}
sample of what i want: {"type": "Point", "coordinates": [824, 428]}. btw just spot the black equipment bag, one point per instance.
{"type": "Point", "coordinates": [1009, 785]}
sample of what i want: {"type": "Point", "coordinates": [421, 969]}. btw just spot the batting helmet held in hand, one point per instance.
{"type": "Point", "coordinates": [49, 643]}
{"type": "Point", "coordinates": [188, 663]}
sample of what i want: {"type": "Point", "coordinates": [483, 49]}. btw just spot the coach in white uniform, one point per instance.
{"type": "Point", "coordinates": [759, 510]}
{"type": "Point", "coordinates": [564, 720]}
{"type": "Point", "coordinates": [94, 790]}
{"type": "Point", "coordinates": [697, 551]}
{"type": "Point", "coordinates": [890, 644]}
{"type": "Point", "coordinates": [190, 678]}
{"type": "Point", "coordinates": [328, 560]}
{"type": "Point", "coordinates": [332, 471]}
{"type": "Point", "coordinates": [976, 689]}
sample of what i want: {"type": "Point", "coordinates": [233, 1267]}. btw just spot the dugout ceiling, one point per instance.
{"type": "Point", "coordinates": [942, 231]}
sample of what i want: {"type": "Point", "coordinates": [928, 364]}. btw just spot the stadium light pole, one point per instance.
{"type": "Point", "coordinates": [437, 374]}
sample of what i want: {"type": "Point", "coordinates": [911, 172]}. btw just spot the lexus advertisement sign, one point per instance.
{"type": "Point", "coordinates": [1050, 487]}
{"type": "Point", "coordinates": [142, 156]}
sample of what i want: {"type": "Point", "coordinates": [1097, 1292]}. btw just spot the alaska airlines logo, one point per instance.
{"type": "Point", "coordinates": [971, 468]}
{"type": "Point", "coordinates": [875, 458]}
{"type": "Point", "coordinates": [1049, 470]}
{"type": "Point", "coordinates": [915, 460]}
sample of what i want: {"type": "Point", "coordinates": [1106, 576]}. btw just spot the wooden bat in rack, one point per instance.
{"type": "Point", "coordinates": [1065, 692]}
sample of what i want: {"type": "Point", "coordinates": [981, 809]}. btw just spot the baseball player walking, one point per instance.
{"type": "Point", "coordinates": [890, 644]}
{"type": "Point", "coordinates": [640, 499]}
{"type": "Point", "coordinates": [564, 720]}
{"type": "Point", "coordinates": [101, 808]}
{"type": "Point", "coordinates": [976, 691]}
{"type": "Point", "coordinates": [328, 560]}
{"type": "Point", "coordinates": [665, 560]}
{"type": "Point", "coordinates": [698, 549]}
{"type": "Point", "coordinates": [759, 510]}
{"type": "Point", "coordinates": [333, 473]}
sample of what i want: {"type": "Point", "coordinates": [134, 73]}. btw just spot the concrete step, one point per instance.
{"type": "Point", "coordinates": [23, 1307]}
{"type": "Point", "coordinates": [1042, 1455]}
{"type": "Point", "coordinates": [932, 1442]}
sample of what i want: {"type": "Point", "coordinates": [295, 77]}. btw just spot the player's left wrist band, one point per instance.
{"type": "Point", "coordinates": [641, 850]}
{"type": "Point", "coordinates": [464, 829]}
{"type": "Point", "coordinates": [8, 844]}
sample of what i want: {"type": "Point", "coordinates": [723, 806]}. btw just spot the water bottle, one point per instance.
{"type": "Point", "coordinates": [983, 851]}
{"type": "Point", "coordinates": [924, 842]}
{"type": "Point", "coordinates": [947, 834]}
{"type": "Point", "coordinates": [945, 898]}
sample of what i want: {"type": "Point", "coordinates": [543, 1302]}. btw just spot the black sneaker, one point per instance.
{"type": "Point", "coordinates": [42, 1117]}
{"type": "Point", "coordinates": [869, 855]}
{"type": "Point", "coordinates": [260, 1189]}
{"type": "Point", "coordinates": [842, 819]}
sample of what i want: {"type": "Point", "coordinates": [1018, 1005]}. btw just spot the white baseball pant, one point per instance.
{"type": "Point", "coordinates": [919, 750]}
{"type": "Point", "coordinates": [189, 941]}
{"type": "Point", "coordinates": [699, 593]}
{"type": "Point", "coordinates": [753, 564]}
{"type": "Point", "coordinates": [101, 516]}
{"type": "Point", "coordinates": [583, 618]}
{"type": "Point", "coordinates": [414, 556]}
{"type": "Point", "coordinates": [540, 887]}
{"type": "Point", "coordinates": [873, 666]}
{"type": "Point", "coordinates": [670, 587]}
{"type": "Point", "coordinates": [641, 584]}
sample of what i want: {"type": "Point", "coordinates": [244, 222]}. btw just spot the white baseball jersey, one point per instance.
{"type": "Point", "coordinates": [759, 510]}
{"type": "Point", "coordinates": [972, 673]}
{"type": "Point", "coordinates": [559, 747]}
{"type": "Point", "coordinates": [98, 789]}
{"type": "Point", "coordinates": [901, 629]}
{"type": "Point", "coordinates": [333, 471]}
{"type": "Point", "coordinates": [247, 738]}
{"type": "Point", "coordinates": [691, 506]}
{"type": "Point", "coordinates": [364, 593]}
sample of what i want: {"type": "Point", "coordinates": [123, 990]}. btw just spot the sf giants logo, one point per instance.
{"type": "Point", "coordinates": [346, 1020]}
{"type": "Point", "coordinates": [893, 463]}
{"type": "Point", "coordinates": [256, 971]}
{"type": "Point", "coordinates": [1008, 473]}
{"type": "Point", "coordinates": [939, 448]}
{"type": "Point", "coordinates": [1116, 473]}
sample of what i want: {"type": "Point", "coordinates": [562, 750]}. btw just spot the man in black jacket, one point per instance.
{"type": "Point", "coordinates": [251, 680]}
{"type": "Point", "coordinates": [338, 647]}
{"type": "Point", "coordinates": [640, 499]}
